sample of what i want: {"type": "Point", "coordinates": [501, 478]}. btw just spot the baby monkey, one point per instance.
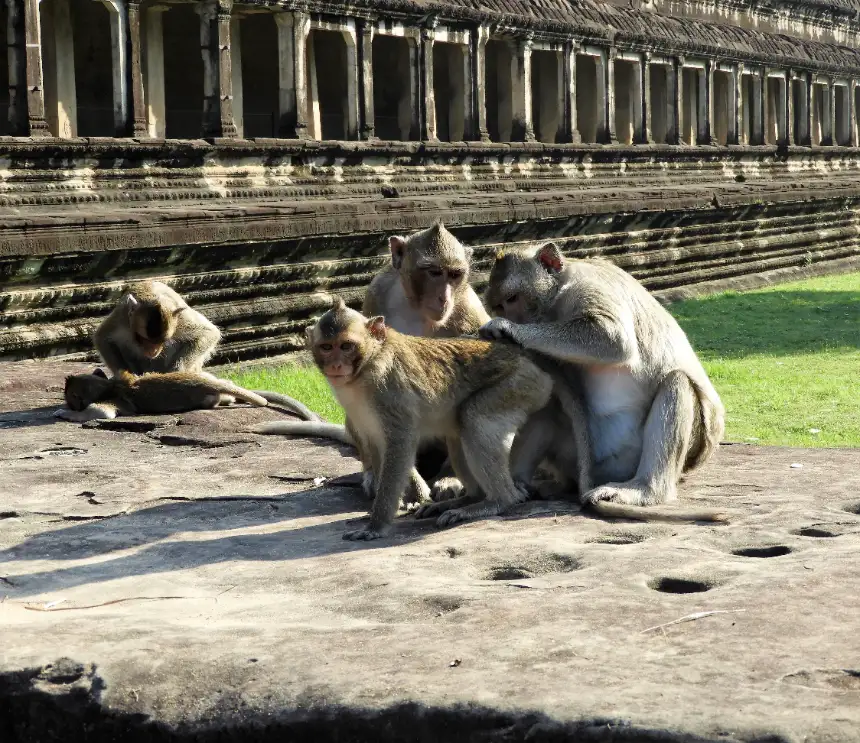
{"type": "Point", "coordinates": [399, 391]}
{"type": "Point", "coordinates": [95, 396]}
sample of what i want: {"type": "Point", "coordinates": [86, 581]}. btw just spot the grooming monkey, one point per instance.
{"type": "Point", "coordinates": [652, 413]}
{"type": "Point", "coordinates": [93, 396]}
{"type": "Point", "coordinates": [399, 390]}
{"type": "Point", "coordinates": [152, 329]}
{"type": "Point", "coordinates": [425, 292]}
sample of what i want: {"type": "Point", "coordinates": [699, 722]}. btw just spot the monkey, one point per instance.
{"type": "Point", "coordinates": [424, 292]}
{"type": "Point", "coordinates": [152, 329]}
{"type": "Point", "coordinates": [95, 396]}
{"type": "Point", "coordinates": [398, 390]}
{"type": "Point", "coordinates": [652, 412]}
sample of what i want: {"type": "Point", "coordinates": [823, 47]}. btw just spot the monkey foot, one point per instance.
{"type": "Point", "coordinates": [364, 535]}
{"type": "Point", "coordinates": [631, 493]}
{"type": "Point", "coordinates": [468, 513]}
{"type": "Point", "coordinates": [446, 488]}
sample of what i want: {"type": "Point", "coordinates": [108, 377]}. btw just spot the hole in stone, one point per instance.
{"type": "Point", "coordinates": [776, 550]}
{"type": "Point", "coordinates": [678, 585]}
{"type": "Point", "coordinates": [811, 531]}
{"type": "Point", "coordinates": [853, 508]}
{"type": "Point", "coordinates": [443, 604]}
{"type": "Point", "coordinates": [618, 538]}
{"type": "Point", "coordinates": [8, 515]}
{"type": "Point", "coordinates": [508, 572]}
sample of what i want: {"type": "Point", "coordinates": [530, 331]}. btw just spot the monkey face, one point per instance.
{"type": "Point", "coordinates": [81, 390]}
{"type": "Point", "coordinates": [153, 326]}
{"type": "Point", "coordinates": [338, 358]}
{"type": "Point", "coordinates": [435, 287]}
{"type": "Point", "coordinates": [341, 340]}
{"type": "Point", "coordinates": [523, 285]}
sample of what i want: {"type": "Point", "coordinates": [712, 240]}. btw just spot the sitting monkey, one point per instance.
{"type": "Point", "coordinates": [95, 396]}
{"type": "Point", "coordinates": [152, 329]}
{"type": "Point", "coordinates": [652, 413]}
{"type": "Point", "coordinates": [399, 390]}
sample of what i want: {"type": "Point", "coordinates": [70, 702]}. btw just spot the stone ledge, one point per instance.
{"type": "Point", "coordinates": [201, 597]}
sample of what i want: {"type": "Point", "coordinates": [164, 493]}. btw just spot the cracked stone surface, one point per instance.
{"type": "Point", "coordinates": [157, 591]}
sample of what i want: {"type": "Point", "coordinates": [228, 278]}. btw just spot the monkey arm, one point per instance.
{"type": "Point", "coordinates": [593, 339]}
{"type": "Point", "coordinates": [192, 352]}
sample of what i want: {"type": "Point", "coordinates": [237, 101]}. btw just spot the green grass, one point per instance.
{"type": "Point", "coordinates": [785, 360]}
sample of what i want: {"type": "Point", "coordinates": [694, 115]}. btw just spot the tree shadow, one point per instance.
{"type": "Point", "coordinates": [733, 325]}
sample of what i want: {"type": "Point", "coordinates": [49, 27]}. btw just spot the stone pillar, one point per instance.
{"type": "Point", "coordinates": [138, 102]}
{"type": "Point", "coordinates": [120, 47]}
{"type": "Point", "coordinates": [236, 71]}
{"type": "Point", "coordinates": [314, 114]}
{"type": "Point", "coordinates": [65, 113]}
{"type": "Point", "coordinates": [677, 118]}
{"type": "Point", "coordinates": [852, 113]}
{"type": "Point", "coordinates": [17, 61]}
{"type": "Point", "coordinates": [611, 136]}
{"type": "Point", "coordinates": [293, 30]}
{"type": "Point", "coordinates": [351, 106]}
{"type": "Point", "coordinates": [35, 112]}
{"type": "Point", "coordinates": [740, 119]}
{"type": "Point", "coordinates": [571, 122]}
{"type": "Point", "coordinates": [830, 107]}
{"type": "Point", "coordinates": [791, 134]}
{"type": "Point", "coordinates": [428, 113]}
{"type": "Point", "coordinates": [648, 133]}
{"type": "Point", "coordinates": [217, 68]}
{"type": "Point", "coordinates": [707, 105]}
{"type": "Point", "coordinates": [734, 104]}
{"type": "Point", "coordinates": [758, 107]}
{"type": "Point", "coordinates": [367, 126]}
{"type": "Point", "coordinates": [480, 37]}
{"type": "Point", "coordinates": [522, 91]}
{"type": "Point", "coordinates": [155, 101]}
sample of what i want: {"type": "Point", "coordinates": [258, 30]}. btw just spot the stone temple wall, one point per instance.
{"type": "Point", "coordinates": [256, 156]}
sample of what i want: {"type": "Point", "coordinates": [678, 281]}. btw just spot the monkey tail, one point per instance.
{"type": "Point", "coordinates": [305, 428]}
{"type": "Point", "coordinates": [612, 510]}
{"type": "Point", "coordinates": [290, 404]}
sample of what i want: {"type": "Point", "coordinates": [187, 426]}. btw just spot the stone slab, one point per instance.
{"type": "Point", "coordinates": [151, 591]}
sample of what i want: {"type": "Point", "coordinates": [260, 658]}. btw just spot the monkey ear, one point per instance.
{"type": "Point", "coordinates": [99, 372]}
{"type": "Point", "coordinates": [397, 244]}
{"type": "Point", "coordinates": [309, 337]}
{"type": "Point", "coordinates": [376, 327]}
{"type": "Point", "coordinates": [550, 257]}
{"type": "Point", "coordinates": [338, 305]}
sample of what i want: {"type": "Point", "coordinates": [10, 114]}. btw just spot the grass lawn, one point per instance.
{"type": "Point", "coordinates": [785, 360]}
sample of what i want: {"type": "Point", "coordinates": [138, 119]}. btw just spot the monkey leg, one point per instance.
{"type": "Point", "coordinates": [96, 411]}
{"type": "Point", "coordinates": [221, 399]}
{"type": "Point", "coordinates": [463, 489]}
{"type": "Point", "coordinates": [531, 446]}
{"type": "Point", "coordinates": [392, 472]}
{"type": "Point", "coordinates": [667, 438]}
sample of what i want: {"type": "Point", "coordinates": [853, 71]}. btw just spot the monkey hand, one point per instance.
{"type": "Point", "coordinates": [498, 329]}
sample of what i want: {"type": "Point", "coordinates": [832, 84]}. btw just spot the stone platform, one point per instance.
{"type": "Point", "coordinates": [182, 581]}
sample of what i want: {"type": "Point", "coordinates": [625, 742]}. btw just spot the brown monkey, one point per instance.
{"type": "Point", "coordinates": [400, 390]}
{"type": "Point", "coordinates": [652, 413]}
{"type": "Point", "coordinates": [152, 329]}
{"type": "Point", "coordinates": [426, 289]}
{"type": "Point", "coordinates": [425, 292]}
{"type": "Point", "coordinates": [92, 396]}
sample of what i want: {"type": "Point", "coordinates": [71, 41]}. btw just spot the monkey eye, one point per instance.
{"type": "Point", "coordinates": [326, 346]}
{"type": "Point", "coordinates": [348, 346]}
{"type": "Point", "coordinates": [513, 298]}
{"type": "Point", "coordinates": [435, 272]}
{"type": "Point", "coordinates": [455, 275]}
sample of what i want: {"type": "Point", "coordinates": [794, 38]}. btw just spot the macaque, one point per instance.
{"type": "Point", "coordinates": [152, 329]}
{"type": "Point", "coordinates": [95, 396]}
{"type": "Point", "coordinates": [652, 413]}
{"type": "Point", "coordinates": [400, 390]}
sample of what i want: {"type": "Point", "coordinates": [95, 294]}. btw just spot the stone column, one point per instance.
{"type": "Point", "coordinates": [35, 104]}
{"type": "Point", "coordinates": [217, 68]}
{"type": "Point", "coordinates": [65, 108]}
{"type": "Point", "coordinates": [611, 136]}
{"type": "Point", "coordinates": [293, 30]}
{"type": "Point", "coordinates": [852, 113]}
{"type": "Point", "coordinates": [236, 72]}
{"type": "Point", "coordinates": [367, 115]}
{"type": "Point", "coordinates": [791, 134]}
{"type": "Point", "coordinates": [648, 133]}
{"type": "Point", "coordinates": [17, 61]}
{"type": "Point", "coordinates": [707, 105]}
{"type": "Point", "coordinates": [571, 122]}
{"type": "Point", "coordinates": [758, 107]}
{"type": "Point", "coordinates": [428, 113]}
{"type": "Point", "coordinates": [138, 102]}
{"type": "Point", "coordinates": [677, 118]}
{"type": "Point", "coordinates": [522, 91]}
{"type": "Point", "coordinates": [732, 113]}
{"type": "Point", "coordinates": [120, 47]}
{"type": "Point", "coordinates": [155, 101]}
{"type": "Point", "coordinates": [830, 107]}
{"type": "Point", "coordinates": [740, 120]}
{"type": "Point", "coordinates": [480, 37]}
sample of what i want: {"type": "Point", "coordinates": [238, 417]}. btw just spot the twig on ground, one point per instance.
{"type": "Point", "coordinates": [49, 607]}
{"type": "Point", "coordinates": [692, 618]}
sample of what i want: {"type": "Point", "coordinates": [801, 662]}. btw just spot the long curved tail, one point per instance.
{"type": "Point", "coordinates": [713, 423]}
{"type": "Point", "coordinates": [654, 513]}
{"type": "Point", "coordinates": [304, 428]}
{"type": "Point", "coordinates": [244, 395]}
{"type": "Point", "coordinates": [289, 403]}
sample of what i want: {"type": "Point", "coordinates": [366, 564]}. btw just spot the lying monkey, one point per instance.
{"type": "Point", "coordinates": [94, 396]}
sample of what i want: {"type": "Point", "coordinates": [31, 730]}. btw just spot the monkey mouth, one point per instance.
{"type": "Point", "coordinates": [150, 350]}
{"type": "Point", "coordinates": [338, 379]}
